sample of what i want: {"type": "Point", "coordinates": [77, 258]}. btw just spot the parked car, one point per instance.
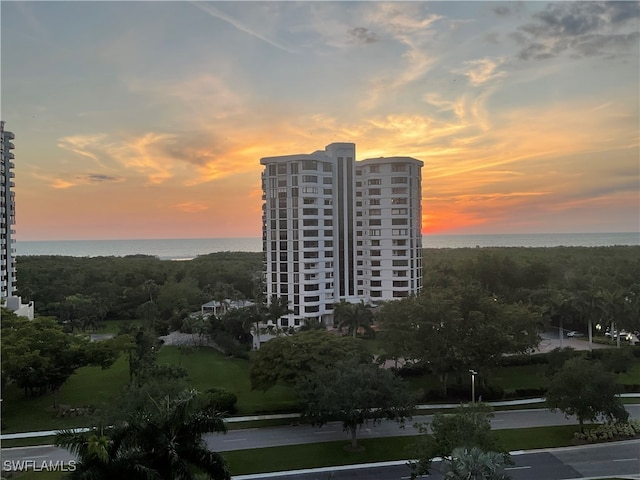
{"type": "Point", "coordinates": [575, 334]}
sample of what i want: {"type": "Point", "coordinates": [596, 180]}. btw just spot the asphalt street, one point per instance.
{"type": "Point", "coordinates": [603, 460]}
{"type": "Point", "coordinates": [301, 434]}
{"type": "Point", "coordinates": [304, 434]}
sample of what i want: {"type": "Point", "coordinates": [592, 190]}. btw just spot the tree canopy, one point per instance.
{"type": "Point", "coordinates": [39, 356]}
{"type": "Point", "coordinates": [469, 426]}
{"type": "Point", "coordinates": [353, 393]}
{"type": "Point", "coordinates": [456, 329]}
{"type": "Point", "coordinates": [583, 388]}
{"type": "Point", "coordinates": [162, 439]}
{"type": "Point", "coordinates": [286, 359]}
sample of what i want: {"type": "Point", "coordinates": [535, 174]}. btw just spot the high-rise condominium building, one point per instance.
{"type": "Point", "coordinates": [8, 296]}
{"type": "Point", "coordinates": [335, 228]}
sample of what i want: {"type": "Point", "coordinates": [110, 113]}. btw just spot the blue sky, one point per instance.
{"type": "Point", "coordinates": [148, 119]}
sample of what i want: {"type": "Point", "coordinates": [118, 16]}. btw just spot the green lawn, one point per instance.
{"type": "Point", "coordinates": [326, 454]}
{"type": "Point", "coordinates": [207, 369]}
{"type": "Point", "coordinates": [524, 376]}
{"type": "Point", "coordinates": [292, 457]}
{"type": "Point", "coordinates": [89, 386]}
{"type": "Point", "coordinates": [93, 386]}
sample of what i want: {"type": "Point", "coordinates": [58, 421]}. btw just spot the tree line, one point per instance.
{"type": "Point", "coordinates": [82, 291]}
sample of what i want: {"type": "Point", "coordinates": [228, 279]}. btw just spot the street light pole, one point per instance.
{"type": "Point", "coordinates": [473, 385]}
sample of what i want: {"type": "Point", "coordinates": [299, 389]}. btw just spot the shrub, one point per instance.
{"type": "Point", "coordinates": [610, 431]}
{"type": "Point", "coordinates": [222, 400]}
{"type": "Point", "coordinates": [523, 359]}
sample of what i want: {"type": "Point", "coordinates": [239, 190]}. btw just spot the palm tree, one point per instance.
{"type": "Point", "coordinates": [558, 309]}
{"type": "Point", "coordinates": [474, 464]}
{"type": "Point", "coordinates": [278, 307]}
{"type": "Point", "coordinates": [589, 305]}
{"type": "Point", "coordinates": [352, 316]}
{"type": "Point", "coordinates": [163, 440]}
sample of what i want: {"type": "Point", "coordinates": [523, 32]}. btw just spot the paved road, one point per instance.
{"type": "Point", "coordinates": [304, 434]}
{"type": "Point", "coordinates": [618, 459]}
{"type": "Point", "coordinates": [301, 434]}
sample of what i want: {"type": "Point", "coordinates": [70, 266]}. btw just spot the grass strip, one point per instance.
{"type": "Point", "coordinates": [326, 454]}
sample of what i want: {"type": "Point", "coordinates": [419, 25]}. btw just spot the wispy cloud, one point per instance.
{"type": "Point", "coordinates": [482, 70]}
{"type": "Point", "coordinates": [191, 207]}
{"type": "Point", "coordinates": [214, 12]}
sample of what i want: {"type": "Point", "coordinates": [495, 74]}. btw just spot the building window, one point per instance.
{"type": "Point", "coordinates": [400, 283]}
{"type": "Point", "coordinates": [398, 201]}
{"type": "Point", "coordinates": [375, 243]}
{"type": "Point", "coordinates": [399, 191]}
{"type": "Point", "coordinates": [375, 221]}
{"type": "Point", "coordinates": [400, 263]}
{"type": "Point", "coordinates": [399, 221]}
{"type": "Point", "coordinates": [398, 167]}
{"type": "Point", "coordinates": [374, 169]}
{"type": "Point", "coordinates": [310, 222]}
{"type": "Point", "coordinates": [376, 294]}
{"type": "Point", "coordinates": [375, 211]}
{"type": "Point", "coordinates": [399, 243]}
{"type": "Point", "coordinates": [310, 233]}
{"type": "Point", "coordinates": [309, 201]}
{"type": "Point", "coordinates": [376, 232]}
{"type": "Point", "coordinates": [310, 211]}
{"type": "Point", "coordinates": [374, 201]}
{"type": "Point", "coordinates": [399, 211]}
{"type": "Point", "coordinates": [282, 168]}
{"type": "Point", "coordinates": [309, 189]}
{"type": "Point", "coordinates": [375, 253]}
{"type": "Point", "coordinates": [327, 167]}
{"type": "Point", "coordinates": [310, 178]}
{"type": "Point", "coordinates": [309, 165]}
{"type": "Point", "coordinates": [398, 180]}
{"type": "Point", "coordinates": [374, 181]}
{"type": "Point", "coordinates": [376, 283]}
{"type": "Point", "coordinates": [400, 294]}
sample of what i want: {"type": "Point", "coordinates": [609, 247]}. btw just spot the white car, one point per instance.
{"type": "Point", "coordinates": [575, 334]}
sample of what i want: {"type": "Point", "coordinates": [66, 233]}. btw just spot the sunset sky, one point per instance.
{"type": "Point", "coordinates": [148, 119]}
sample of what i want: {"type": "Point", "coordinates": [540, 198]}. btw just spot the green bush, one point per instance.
{"type": "Point", "coordinates": [222, 400]}
{"type": "Point", "coordinates": [524, 359]}
{"type": "Point", "coordinates": [611, 431]}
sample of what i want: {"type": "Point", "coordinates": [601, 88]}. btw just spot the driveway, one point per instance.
{"type": "Point", "coordinates": [551, 340]}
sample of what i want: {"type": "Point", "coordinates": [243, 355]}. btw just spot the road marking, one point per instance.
{"type": "Point", "coordinates": [235, 440]}
{"type": "Point", "coordinates": [626, 460]}
{"type": "Point", "coordinates": [518, 468]}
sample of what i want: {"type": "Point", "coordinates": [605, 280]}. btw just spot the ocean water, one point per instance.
{"type": "Point", "coordinates": [185, 249]}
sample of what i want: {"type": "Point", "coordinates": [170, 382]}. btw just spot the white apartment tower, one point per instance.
{"type": "Point", "coordinates": [8, 296]}
{"type": "Point", "coordinates": [335, 228]}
